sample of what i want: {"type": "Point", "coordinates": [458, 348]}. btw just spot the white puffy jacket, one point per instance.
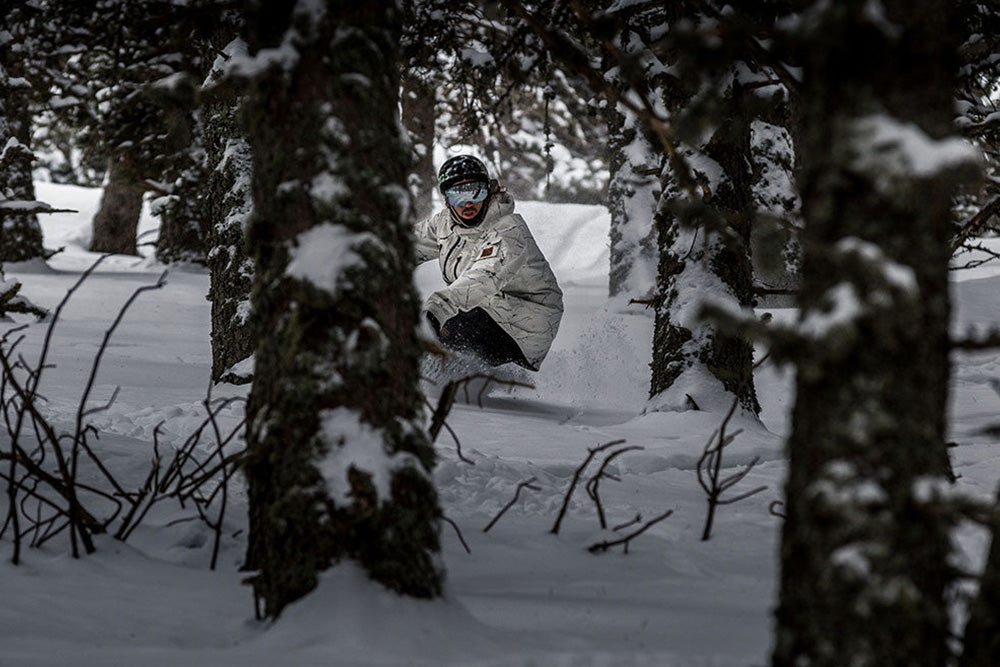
{"type": "Point", "coordinates": [498, 267]}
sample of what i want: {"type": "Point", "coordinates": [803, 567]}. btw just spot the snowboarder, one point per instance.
{"type": "Point", "coordinates": [502, 303]}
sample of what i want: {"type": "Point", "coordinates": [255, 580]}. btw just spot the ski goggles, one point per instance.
{"type": "Point", "coordinates": [466, 193]}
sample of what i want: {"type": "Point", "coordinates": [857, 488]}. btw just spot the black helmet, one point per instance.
{"type": "Point", "coordinates": [461, 168]}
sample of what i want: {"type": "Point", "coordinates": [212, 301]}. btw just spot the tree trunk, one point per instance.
{"type": "Point", "coordinates": [339, 463]}
{"type": "Point", "coordinates": [228, 204]}
{"type": "Point", "coordinates": [20, 235]}
{"type": "Point", "coordinates": [182, 212]}
{"type": "Point", "coordinates": [704, 245]}
{"type": "Point", "coordinates": [981, 642]}
{"type": "Point", "coordinates": [117, 220]}
{"type": "Point", "coordinates": [864, 553]}
{"type": "Point", "coordinates": [635, 166]}
{"type": "Point", "coordinates": [232, 269]}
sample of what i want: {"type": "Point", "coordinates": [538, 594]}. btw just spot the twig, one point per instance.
{"type": "Point", "coordinates": [451, 431]}
{"type": "Point", "coordinates": [528, 484]}
{"type": "Point", "coordinates": [592, 484]}
{"type": "Point", "coordinates": [445, 403]}
{"type": "Point", "coordinates": [457, 532]}
{"type": "Point", "coordinates": [47, 499]}
{"type": "Point", "coordinates": [604, 546]}
{"type": "Point", "coordinates": [622, 526]}
{"type": "Point", "coordinates": [976, 223]}
{"type": "Point", "coordinates": [576, 478]}
{"type": "Point", "coordinates": [711, 460]}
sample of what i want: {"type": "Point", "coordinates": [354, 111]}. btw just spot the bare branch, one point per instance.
{"type": "Point", "coordinates": [576, 478]}
{"type": "Point", "coordinates": [457, 532]}
{"type": "Point", "coordinates": [592, 485]}
{"type": "Point", "coordinates": [604, 546]}
{"type": "Point", "coordinates": [528, 484]}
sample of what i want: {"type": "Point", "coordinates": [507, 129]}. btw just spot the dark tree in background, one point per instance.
{"type": "Point", "coordinates": [865, 547]}
{"type": "Point", "coordinates": [716, 92]}
{"type": "Point", "coordinates": [228, 202]}
{"type": "Point", "coordinates": [635, 153]}
{"type": "Point", "coordinates": [980, 51]}
{"type": "Point", "coordinates": [20, 233]}
{"type": "Point", "coordinates": [112, 55]}
{"type": "Point", "coordinates": [492, 87]}
{"type": "Point", "coordinates": [978, 206]}
{"type": "Point", "coordinates": [337, 362]}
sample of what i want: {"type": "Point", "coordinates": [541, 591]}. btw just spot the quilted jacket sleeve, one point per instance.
{"type": "Point", "coordinates": [425, 242]}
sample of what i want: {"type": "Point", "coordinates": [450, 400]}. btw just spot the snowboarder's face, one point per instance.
{"type": "Point", "coordinates": [467, 198]}
{"type": "Point", "coordinates": [469, 211]}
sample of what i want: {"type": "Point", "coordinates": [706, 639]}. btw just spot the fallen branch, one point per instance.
{"type": "Point", "coordinates": [623, 526]}
{"type": "Point", "coordinates": [604, 546]}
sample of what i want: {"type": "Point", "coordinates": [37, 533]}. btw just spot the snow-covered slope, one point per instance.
{"type": "Point", "coordinates": [522, 596]}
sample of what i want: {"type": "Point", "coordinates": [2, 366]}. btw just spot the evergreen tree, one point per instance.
{"type": "Point", "coordinates": [123, 58]}
{"type": "Point", "coordinates": [865, 547]}
{"type": "Point", "coordinates": [977, 207]}
{"type": "Point", "coordinates": [338, 463]}
{"type": "Point", "coordinates": [716, 93]}
{"type": "Point", "coordinates": [636, 155]}
{"type": "Point", "coordinates": [20, 233]}
{"type": "Point", "coordinates": [228, 202]}
{"type": "Point", "coordinates": [496, 90]}
{"type": "Point", "coordinates": [979, 76]}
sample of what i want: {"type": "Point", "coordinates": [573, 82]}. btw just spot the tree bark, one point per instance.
{"type": "Point", "coordinates": [703, 225]}
{"type": "Point", "coordinates": [337, 363]}
{"type": "Point", "coordinates": [117, 219]}
{"type": "Point", "coordinates": [20, 235]}
{"type": "Point", "coordinates": [633, 192]}
{"type": "Point", "coordinates": [864, 551]}
{"type": "Point", "coordinates": [228, 204]}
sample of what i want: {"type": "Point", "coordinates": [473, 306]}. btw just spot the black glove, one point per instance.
{"type": "Point", "coordinates": [435, 325]}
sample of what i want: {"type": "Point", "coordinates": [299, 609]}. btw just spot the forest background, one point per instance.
{"type": "Point", "coordinates": [841, 153]}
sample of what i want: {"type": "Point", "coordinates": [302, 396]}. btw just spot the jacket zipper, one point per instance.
{"type": "Point", "coordinates": [448, 259]}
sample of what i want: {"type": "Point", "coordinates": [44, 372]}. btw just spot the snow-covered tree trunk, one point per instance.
{"type": "Point", "coordinates": [865, 548]}
{"type": "Point", "coordinates": [633, 192]}
{"type": "Point", "coordinates": [20, 234]}
{"type": "Point", "coordinates": [339, 463]}
{"type": "Point", "coordinates": [705, 256]}
{"type": "Point", "coordinates": [774, 237]}
{"type": "Point", "coordinates": [229, 202]}
{"type": "Point", "coordinates": [117, 219]}
{"type": "Point", "coordinates": [232, 268]}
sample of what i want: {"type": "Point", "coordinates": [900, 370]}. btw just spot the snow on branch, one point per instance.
{"type": "Point", "coordinates": [28, 207]}
{"type": "Point", "coordinates": [886, 150]}
{"type": "Point", "coordinates": [12, 302]}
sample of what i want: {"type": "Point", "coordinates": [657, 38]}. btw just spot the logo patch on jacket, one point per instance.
{"type": "Point", "coordinates": [490, 251]}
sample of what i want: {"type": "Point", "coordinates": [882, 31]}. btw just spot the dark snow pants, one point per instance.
{"type": "Point", "coordinates": [475, 332]}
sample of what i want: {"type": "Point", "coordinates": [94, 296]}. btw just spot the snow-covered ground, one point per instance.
{"type": "Point", "coordinates": [521, 596]}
